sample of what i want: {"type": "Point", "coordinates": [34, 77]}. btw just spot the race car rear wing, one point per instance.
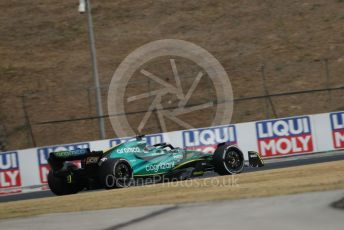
{"type": "Point", "coordinates": [57, 159]}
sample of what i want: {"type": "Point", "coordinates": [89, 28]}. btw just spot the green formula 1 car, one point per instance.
{"type": "Point", "coordinates": [127, 163]}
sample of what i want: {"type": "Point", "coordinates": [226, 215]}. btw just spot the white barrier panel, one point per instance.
{"type": "Point", "coordinates": [276, 137]}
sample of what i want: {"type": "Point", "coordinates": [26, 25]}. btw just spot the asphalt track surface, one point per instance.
{"type": "Point", "coordinates": [306, 211]}
{"type": "Point", "coordinates": [268, 166]}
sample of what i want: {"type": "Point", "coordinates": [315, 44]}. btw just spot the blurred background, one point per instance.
{"type": "Point", "coordinates": [283, 58]}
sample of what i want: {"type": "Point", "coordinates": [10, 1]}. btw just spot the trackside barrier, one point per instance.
{"type": "Point", "coordinates": [271, 138]}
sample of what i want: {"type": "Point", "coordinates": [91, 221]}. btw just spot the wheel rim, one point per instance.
{"type": "Point", "coordinates": [123, 175]}
{"type": "Point", "coordinates": [233, 160]}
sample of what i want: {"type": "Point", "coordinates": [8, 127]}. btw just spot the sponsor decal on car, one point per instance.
{"type": "Point", "coordinates": [160, 166]}
{"type": "Point", "coordinates": [178, 156]}
{"type": "Point", "coordinates": [284, 136]}
{"type": "Point", "coordinates": [337, 125]}
{"type": "Point", "coordinates": [71, 153]}
{"type": "Point", "coordinates": [128, 150]}
{"type": "Point", "coordinates": [9, 170]}
{"type": "Point", "coordinates": [92, 160]}
{"type": "Point", "coordinates": [43, 155]}
{"type": "Point", "coordinates": [207, 139]}
{"type": "Point", "coordinates": [150, 139]}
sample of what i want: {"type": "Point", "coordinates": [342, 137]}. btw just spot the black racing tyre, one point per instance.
{"type": "Point", "coordinates": [228, 160]}
{"type": "Point", "coordinates": [59, 186]}
{"type": "Point", "coordinates": [115, 173]}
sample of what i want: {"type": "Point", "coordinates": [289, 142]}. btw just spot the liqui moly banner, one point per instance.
{"type": "Point", "coordinates": [43, 155]}
{"type": "Point", "coordinates": [337, 128]}
{"type": "Point", "coordinates": [150, 139]}
{"type": "Point", "coordinates": [9, 170]}
{"type": "Point", "coordinates": [278, 137]}
{"type": "Point", "coordinates": [284, 136]}
{"type": "Point", "coordinates": [207, 139]}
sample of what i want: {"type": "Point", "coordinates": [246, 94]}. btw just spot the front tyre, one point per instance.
{"type": "Point", "coordinates": [228, 160]}
{"type": "Point", "coordinates": [115, 173]}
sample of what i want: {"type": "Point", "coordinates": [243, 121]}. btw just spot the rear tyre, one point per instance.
{"type": "Point", "coordinates": [228, 160]}
{"type": "Point", "coordinates": [115, 173]}
{"type": "Point", "coordinates": [59, 185]}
